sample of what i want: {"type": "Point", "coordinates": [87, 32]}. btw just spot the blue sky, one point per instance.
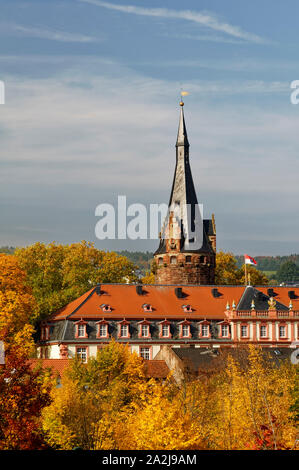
{"type": "Point", "coordinates": [91, 112]}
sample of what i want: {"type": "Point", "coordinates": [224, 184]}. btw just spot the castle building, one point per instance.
{"type": "Point", "coordinates": [151, 316]}
{"type": "Point", "coordinates": [184, 308]}
{"type": "Point", "coordinates": [187, 249]}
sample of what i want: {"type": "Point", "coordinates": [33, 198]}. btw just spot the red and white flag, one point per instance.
{"type": "Point", "coordinates": [249, 260]}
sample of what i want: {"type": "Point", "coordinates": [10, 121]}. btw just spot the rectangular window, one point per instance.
{"type": "Point", "coordinates": [165, 330]}
{"type": "Point", "coordinates": [144, 330]}
{"type": "Point", "coordinates": [124, 330]}
{"type": "Point", "coordinates": [81, 331]}
{"type": "Point", "coordinates": [103, 330]}
{"type": "Point", "coordinates": [282, 331]}
{"type": "Point", "coordinates": [205, 330]}
{"type": "Point", "coordinates": [82, 354]}
{"type": "Point", "coordinates": [263, 331]}
{"type": "Point", "coordinates": [145, 353]}
{"type": "Point", "coordinates": [185, 331]}
{"type": "Point", "coordinates": [224, 330]}
{"type": "Point", "coordinates": [244, 331]}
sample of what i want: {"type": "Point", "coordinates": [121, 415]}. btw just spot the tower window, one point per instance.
{"type": "Point", "coordinates": [173, 260]}
{"type": "Point", "coordinates": [202, 259]}
{"type": "Point", "coordinates": [160, 261]}
{"type": "Point", "coordinates": [188, 259]}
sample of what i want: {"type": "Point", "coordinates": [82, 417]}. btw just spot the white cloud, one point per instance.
{"type": "Point", "coordinates": [204, 19]}
{"type": "Point", "coordinates": [50, 34]}
{"type": "Point", "coordinates": [82, 137]}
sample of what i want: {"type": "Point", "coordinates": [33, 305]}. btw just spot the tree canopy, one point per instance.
{"type": "Point", "coordinates": [228, 273]}
{"type": "Point", "coordinates": [58, 274]}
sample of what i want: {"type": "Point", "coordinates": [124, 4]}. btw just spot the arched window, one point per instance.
{"type": "Point", "coordinates": [173, 260]}
{"type": "Point", "coordinates": [160, 261]}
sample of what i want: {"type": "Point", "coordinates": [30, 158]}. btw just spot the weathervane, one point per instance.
{"type": "Point", "coordinates": [183, 93]}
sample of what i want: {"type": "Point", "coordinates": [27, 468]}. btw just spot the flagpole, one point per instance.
{"type": "Point", "coordinates": [245, 271]}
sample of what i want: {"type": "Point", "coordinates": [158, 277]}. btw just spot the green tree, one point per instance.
{"type": "Point", "coordinates": [288, 272]}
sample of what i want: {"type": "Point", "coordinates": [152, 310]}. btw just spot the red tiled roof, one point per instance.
{"type": "Point", "coordinates": [156, 369]}
{"type": "Point", "coordinates": [57, 365]}
{"type": "Point", "coordinates": [125, 302]}
{"type": "Point", "coordinates": [153, 368]}
{"type": "Point", "coordinates": [72, 306]}
{"type": "Point", "coordinates": [282, 294]}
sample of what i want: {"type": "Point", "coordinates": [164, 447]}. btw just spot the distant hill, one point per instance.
{"type": "Point", "coordinates": [141, 258]}
{"type": "Point", "coordinates": [269, 263]}
{"type": "Point", "coordinates": [8, 250]}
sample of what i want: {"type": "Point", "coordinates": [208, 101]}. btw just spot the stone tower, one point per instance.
{"type": "Point", "coordinates": [187, 249]}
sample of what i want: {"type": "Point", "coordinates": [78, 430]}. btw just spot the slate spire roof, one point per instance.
{"type": "Point", "coordinates": [183, 196]}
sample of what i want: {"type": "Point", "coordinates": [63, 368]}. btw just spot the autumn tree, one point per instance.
{"type": "Point", "coordinates": [251, 405]}
{"type": "Point", "coordinates": [58, 274]}
{"type": "Point", "coordinates": [168, 417]}
{"type": "Point", "coordinates": [254, 276]}
{"type": "Point", "coordinates": [17, 305]}
{"type": "Point", "coordinates": [86, 410]}
{"type": "Point", "coordinates": [148, 278]}
{"type": "Point", "coordinates": [228, 273]}
{"type": "Point", "coordinates": [24, 392]}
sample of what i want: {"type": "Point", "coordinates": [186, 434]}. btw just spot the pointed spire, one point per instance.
{"type": "Point", "coordinates": [182, 138]}
{"type": "Point", "coordinates": [183, 200]}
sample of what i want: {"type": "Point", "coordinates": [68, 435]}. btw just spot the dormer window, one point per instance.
{"type": "Point", "coordinates": [187, 308]}
{"type": "Point", "coordinates": [204, 330]}
{"type": "Point", "coordinates": [147, 307]}
{"type": "Point", "coordinates": [184, 329]}
{"type": "Point", "coordinates": [164, 329]}
{"type": "Point", "coordinates": [102, 331]}
{"type": "Point", "coordinates": [80, 331]}
{"type": "Point", "coordinates": [224, 330]}
{"type": "Point", "coordinates": [106, 308]}
{"type": "Point", "coordinates": [144, 330]}
{"type": "Point", "coordinates": [123, 329]}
